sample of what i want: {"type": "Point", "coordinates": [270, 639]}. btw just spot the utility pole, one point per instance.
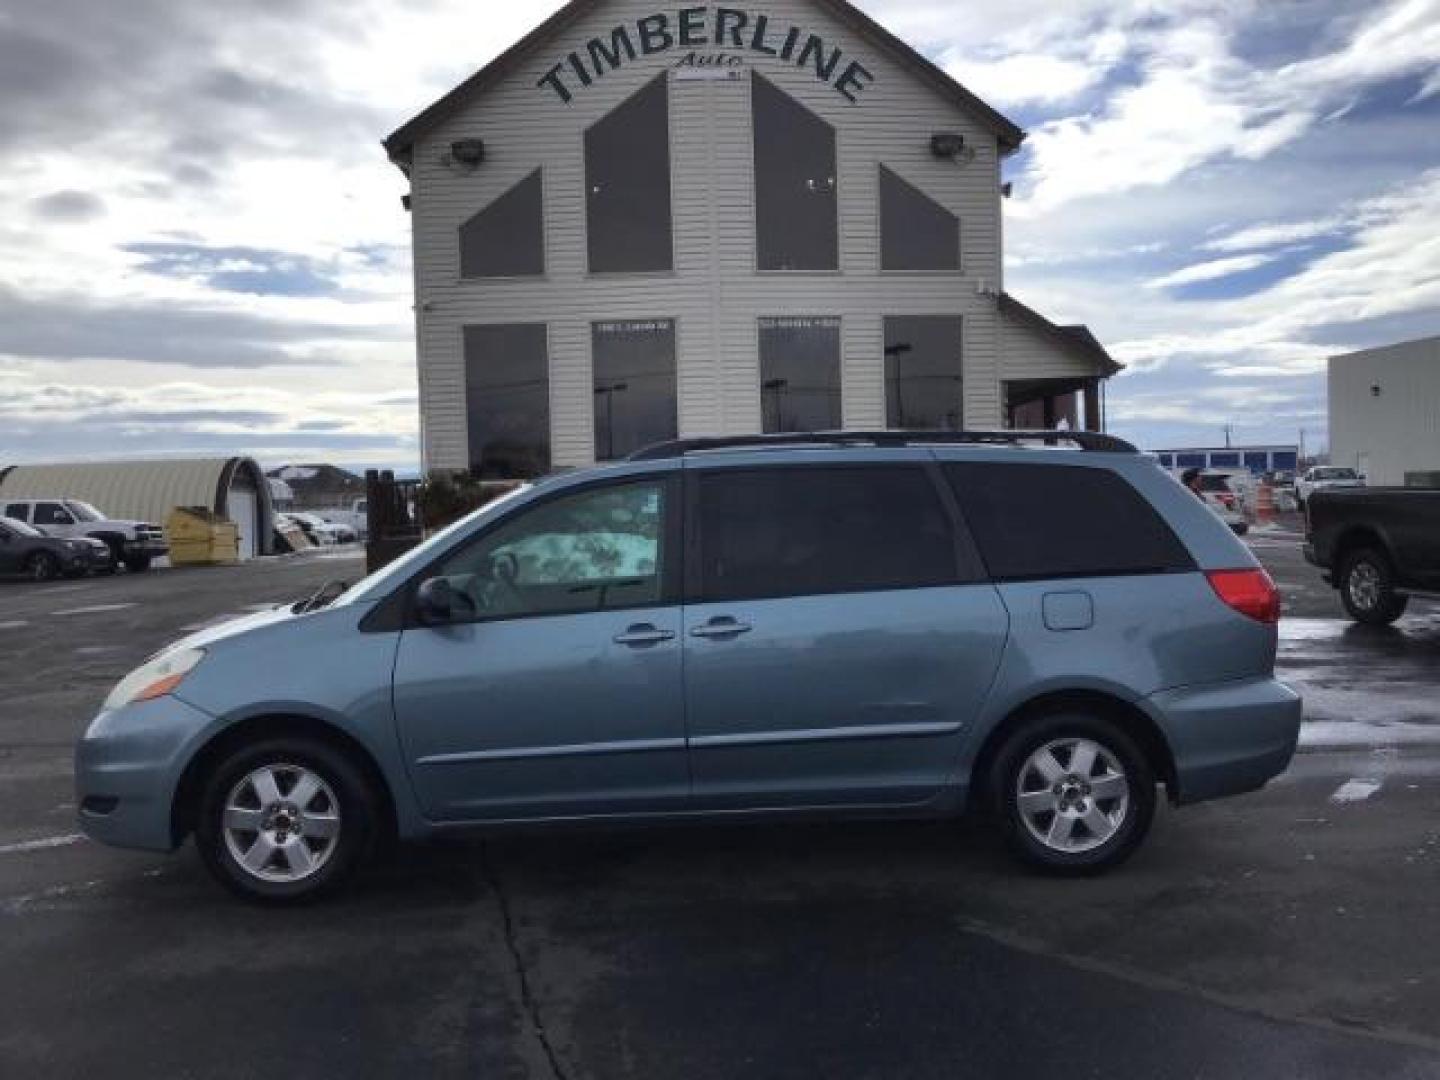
{"type": "Point", "coordinates": [1229, 435]}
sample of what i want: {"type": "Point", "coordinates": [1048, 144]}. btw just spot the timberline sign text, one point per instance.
{"type": "Point", "coordinates": [705, 28]}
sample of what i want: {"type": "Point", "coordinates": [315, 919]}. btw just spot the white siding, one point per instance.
{"type": "Point", "coordinates": [1030, 354]}
{"type": "Point", "coordinates": [715, 294]}
{"type": "Point", "coordinates": [1398, 431]}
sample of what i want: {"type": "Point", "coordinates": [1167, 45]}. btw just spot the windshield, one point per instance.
{"type": "Point", "coordinates": [20, 528]}
{"type": "Point", "coordinates": [84, 511]}
{"type": "Point", "coordinates": [375, 586]}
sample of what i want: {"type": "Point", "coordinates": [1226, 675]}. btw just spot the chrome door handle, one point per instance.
{"type": "Point", "coordinates": [721, 629]}
{"type": "Point", "coordinates": [644, 635]}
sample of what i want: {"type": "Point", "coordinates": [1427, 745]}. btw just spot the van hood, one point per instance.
{"type": "Point", "coordinates": [229, 628]}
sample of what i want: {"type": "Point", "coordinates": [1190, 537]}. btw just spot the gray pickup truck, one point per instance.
{"type": "Point", "coordinates": [134, 544]}
{"type": "Point", "coordinates": [1379, 546]}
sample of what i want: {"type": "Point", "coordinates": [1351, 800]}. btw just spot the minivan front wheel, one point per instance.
{"type": "Point", "coordinates": [1073, 793]}
{"type": "Point", "coordinates": [285, 821]}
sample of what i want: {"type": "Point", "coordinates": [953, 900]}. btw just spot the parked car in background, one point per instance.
{"type": "Point", "coordinates": [1380, 547]}
{"type": "Point", "coordinates": [878, 624]}
{"type": "Point", "coordinates": [133, 544]}
{"type": "Point", "coordinates": [1221, 495]}
{"type": "Point", "coordinates": [1326, 478]}
{"type": "Point", "coordinates": [320, 531]}
{"type": "Point", "coordinates": [356, 519]}
{"type": "Point", "coordinates": [26, 550]}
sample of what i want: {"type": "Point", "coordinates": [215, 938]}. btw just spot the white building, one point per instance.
{"type": "Point", "coordinates": [645, 221]}
{"type": "Point", "coordinates": [1385, 411]}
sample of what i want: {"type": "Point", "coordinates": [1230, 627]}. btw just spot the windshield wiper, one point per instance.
{"type": "Point", "coordinates": [322, 597]}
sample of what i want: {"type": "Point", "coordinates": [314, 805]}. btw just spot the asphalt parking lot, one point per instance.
{"type": "Point", "coordinates": [1291, 933]}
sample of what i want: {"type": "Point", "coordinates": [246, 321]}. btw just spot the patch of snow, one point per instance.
{"type": "Point", "coordinates": [1355, 791]}
{"type": "Point", "coordinates": [1347, 734]}
{"type": "Point", "coordinates": [41, 845]}
{"type": "Point", "coordinates": [98, 609]}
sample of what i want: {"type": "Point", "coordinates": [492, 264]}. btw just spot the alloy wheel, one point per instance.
{"type": "Point", "coordinates": [1364, 586]}
{"type": "Point", "coordinates": [281, 823]}
{"type": "Point", "coordinates": [1073, 795]}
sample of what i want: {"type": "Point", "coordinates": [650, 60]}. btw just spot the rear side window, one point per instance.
{"type": "Point", "coordinates": [1034, 522]}
{"type": "Point", "coordinates": [18, 511]}
{"type": "Point", "coordinates": [52, 514]}
{"type": "Point", "coordinates": [803, 532]}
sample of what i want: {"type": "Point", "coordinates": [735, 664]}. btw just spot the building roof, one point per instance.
{"type": "Point", "coordinates": [135, 490]}
{"type": "Point", "coordinates": [1077, 341]}
{"type": "Point", "coordinates": [400, 144]}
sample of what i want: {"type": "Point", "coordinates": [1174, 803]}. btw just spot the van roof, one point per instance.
{"type": "Point", "coordinates": [1084, 441]}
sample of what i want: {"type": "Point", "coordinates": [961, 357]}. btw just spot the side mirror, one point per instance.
{"type": "Point", "coordinates": [438, 602]}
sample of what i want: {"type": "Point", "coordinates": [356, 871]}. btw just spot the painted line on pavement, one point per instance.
{"type": "Point", "coordinates": [98, 609]}
{"type": "Point", "coordinates": [41, 845]}
{"type": "Point", "coordinates": [19, 625]}
{"type": "Point", "coordinates": [1355, 791]}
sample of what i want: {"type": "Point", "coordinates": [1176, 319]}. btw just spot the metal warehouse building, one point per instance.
{"type": "Point", "coordinates": [647, 221]}
{"type": "Point", "coordinates": [1385, 411]}
{"type": "Point", "coordinates": [234, 488]}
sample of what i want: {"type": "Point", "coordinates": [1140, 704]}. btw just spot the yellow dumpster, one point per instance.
{"type": "Point", "coordinates": [200, 537]}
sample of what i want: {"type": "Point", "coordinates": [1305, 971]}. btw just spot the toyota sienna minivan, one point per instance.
{"type": "Point", "coordinates": [1046, 629]}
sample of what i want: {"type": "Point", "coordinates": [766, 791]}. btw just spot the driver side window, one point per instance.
{"type": "Point", "coordinates": [596, 550]}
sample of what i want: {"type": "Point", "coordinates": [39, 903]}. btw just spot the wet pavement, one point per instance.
{"type": "Point", "coordinates": [1290, 933]}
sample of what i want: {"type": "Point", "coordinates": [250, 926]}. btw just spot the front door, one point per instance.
{"type": "Point", "coordinates": [556, 691]}
{"type": "Point", "coordinates": [838, 642]}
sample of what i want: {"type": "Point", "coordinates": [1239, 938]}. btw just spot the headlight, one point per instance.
{"type": "Point", "coordinates": [154, 679]}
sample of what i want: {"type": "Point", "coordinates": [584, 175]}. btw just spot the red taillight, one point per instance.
{"type": "Point", "coordinates": [1250, 592]}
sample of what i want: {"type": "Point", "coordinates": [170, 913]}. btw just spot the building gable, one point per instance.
{"type": "Point", "coordinates": [711, 40]}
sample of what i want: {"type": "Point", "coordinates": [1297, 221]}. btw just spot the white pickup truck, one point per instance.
{"type": "Point", "coordinates": [1326, 478]}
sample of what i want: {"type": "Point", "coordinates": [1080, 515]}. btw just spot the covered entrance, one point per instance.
{"type": "Point", "coordinates": [1043, 404]}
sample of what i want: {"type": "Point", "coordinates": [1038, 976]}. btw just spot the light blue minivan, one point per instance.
{"type": "Point", "coordinates": [1043, 627]}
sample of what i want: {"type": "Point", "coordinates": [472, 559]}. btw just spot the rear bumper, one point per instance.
{"type": "Point", "coordinates": [127, 768]}
{"type": "Point", "coordinates": [1228, 738]}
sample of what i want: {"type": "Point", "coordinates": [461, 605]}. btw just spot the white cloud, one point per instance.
{"type": "Point", "coordinates": [1209, 271]}
{"type": "Point", "coordinates": [1197, 102]}
{"type": "Point", "coordinates": [1275, 234]}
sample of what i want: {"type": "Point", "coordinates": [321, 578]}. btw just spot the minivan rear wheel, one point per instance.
{"type": "Point", "coordinates": [286, 820]}
{"type": "Point", "coordinates": [1073, 793]}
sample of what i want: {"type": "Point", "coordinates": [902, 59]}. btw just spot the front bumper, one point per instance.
{"type": "Point", "coordinates": [127, 769]}
{"type": "Point", "coordinates": [1228, 738]}
{"type": "Point", "coordinates": [155, 548]}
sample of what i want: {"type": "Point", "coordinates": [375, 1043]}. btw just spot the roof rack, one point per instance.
{"type": "Point", "coordinates": [1088, 441]}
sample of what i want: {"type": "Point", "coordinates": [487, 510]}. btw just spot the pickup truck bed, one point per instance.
{"type": "Point", "coordinates": [1379, 546]}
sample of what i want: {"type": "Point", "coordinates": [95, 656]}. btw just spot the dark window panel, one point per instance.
{"type": "Point", "coordinates": [812, 531]}
{"type": "Point", "coordinates": [916, 232]}
{"type": "Point", "coordinates": [507, 399]}
{"type": "Point", "coordinates": [795, 188]}
{"type": "Point", "coordinates": [635, 402]}
{"type": "Point", "coordinates": [507, 238]}
{"type": "Point", "coordinates": [627, 184]}
{"type": "Point", "coordinates": [800, 374]}
{"type": "Point", "coordinates": [924, 372]}
{"type": "Point", "coordinates": [1034, 522]}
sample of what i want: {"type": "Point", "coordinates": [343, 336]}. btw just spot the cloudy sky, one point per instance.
{"type": "Point", "coordinates": [202, 246]}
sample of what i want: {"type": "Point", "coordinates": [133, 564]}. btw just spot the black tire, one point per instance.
{"type": "Point", "coordinates": [42, 566]}
{"type": "Point", "coordinates": [1009, 770]}
{"type": "Point", "coordinates": [358, 807]}
{"type": "Point", "coordinates": [137, 564]}
{"type": "Point", "coordinates": [117, 554]}
{"type": "Point", "coordinates": [1367, 588]}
